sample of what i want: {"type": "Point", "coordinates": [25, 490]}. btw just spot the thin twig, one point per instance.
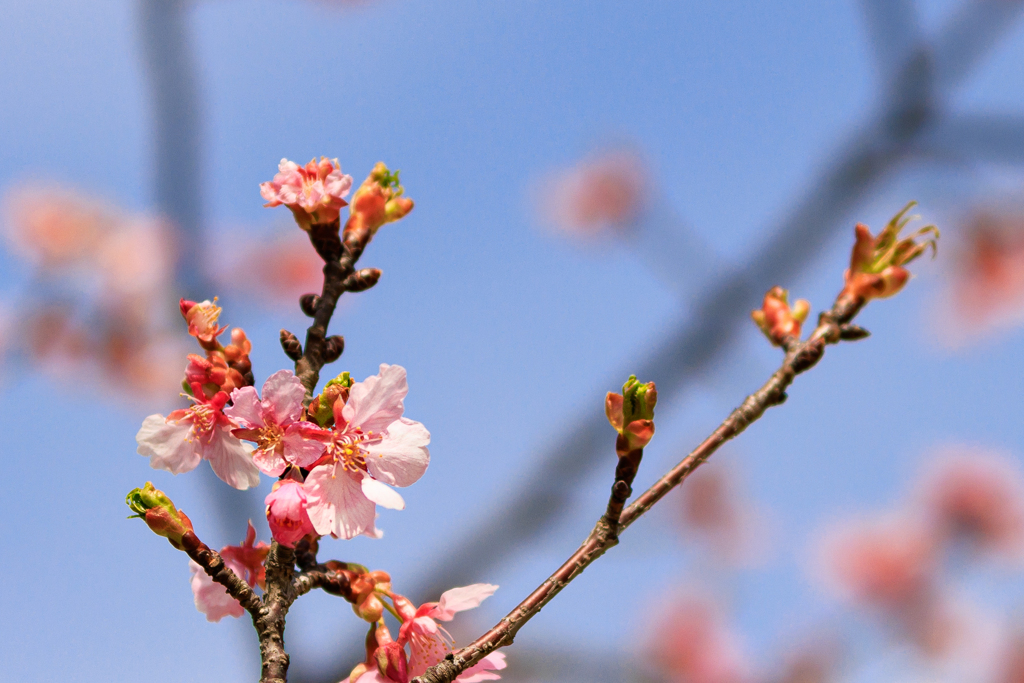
{"type": "Point", "coordinates": [800, 356]}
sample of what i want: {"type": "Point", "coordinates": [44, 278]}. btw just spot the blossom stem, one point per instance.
{"type": "Point", "coordinates": [800, 357]}
{"type": "Point", "coordinates": [339, 263]}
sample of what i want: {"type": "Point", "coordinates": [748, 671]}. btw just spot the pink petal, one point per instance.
{"type": "Point", "coordinates": [481, 671]}
{"type": "Point", "coordinates": [269, 462]}
{"type": "Point", "coordinates": [373, 676]}
{"type": "Point", "coordinates": [211, 598]}
{"type": "Point", "coordinates": [376, 402]}
{"type": "Point", "coordinates": [245, 408]}
{"type": "Point", "coordinates": [283, 393]}
{"type": "Point", "coordinates": [336, 504]}
{"type": "Point", "coordinates": [401, 457]}
{"type": "Point", "coordinates": [382, 494]}
{"type": "Point", "coordinates": [462, 598]}
{"type": "Point", "coordinates": [167, 445]}
{"type": "Point", "coordinates": [231, 460]}
{"type": "Point", "coordinates": [301, 444]}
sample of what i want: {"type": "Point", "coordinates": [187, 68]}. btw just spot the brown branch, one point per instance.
{"type": "Point", "coordinates": [339, 263]}
{"type": "Point", "coordinates": [213, 564]}
{"type": "Point", "coordinates": [800, 357]}
{"type": "Point", "coordinates": [335, 583]}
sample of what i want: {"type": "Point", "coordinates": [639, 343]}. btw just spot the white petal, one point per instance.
{"type": "Point", "coordinates": [283, 393]}
{"type": "Point", "coordinates": [167, 445]}
{"type": "Point", "coordinates": [401, 457]}
{"type": "Point", "coordinates": [336, 504]}
{"type": "Point", "coordinates": [382, 494]}
{"type": "Point", "coordinates": [231, 460]}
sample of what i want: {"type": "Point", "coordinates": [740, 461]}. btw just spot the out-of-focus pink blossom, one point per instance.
{"type": "Point", "coordinates": [371, 449]}
{"type": "Point", "coordinates": [246, 560]}
{"type": "Point", "coordinates": [273, 270]}
{"type": "Point", "coordinates": [713, 511]}
{"type": "Point", "coordinates": [273, 424]}
{"type": "Point", "coordinates": [286, 512]}
{"type": "Point", "coordinates": [607, 191]}
{"type": "Point", "coordinates": [886, 562]}
{"type": "Point", "coordinates": [54, 226]}
{"type": "Point", "coordinates": [986, 285]}
{"type": "Point", "coordinates": [178, 442]}
{"type": "Point", "coordinates": [692, 644]}
{"type": "Point", "coordinates": [978, 497]}
{"type": "Point", "coordinates": [136, 261]}
{"type": "Point", "coordinates": [315, 193]}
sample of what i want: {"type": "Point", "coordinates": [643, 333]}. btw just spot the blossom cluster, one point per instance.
{"type": "Point", "coordinates": [336, 463]}
{"type": "Point", "coordinates": [335, 455]}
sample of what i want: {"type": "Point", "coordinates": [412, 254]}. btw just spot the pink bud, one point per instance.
{"type": "Point", "coordinates": [286, 513]}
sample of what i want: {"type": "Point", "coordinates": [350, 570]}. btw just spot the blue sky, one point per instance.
{"type": "Point", "coordinates": [509, 333]}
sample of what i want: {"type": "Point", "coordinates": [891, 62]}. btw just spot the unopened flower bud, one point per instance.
{"type": "Point", "coordinates": [333, 348]}
{"type": "Point", "coordinates": [286, 512]}
{"type": "Point", "coordinates": [378, 201]}
{"type": "Point", "coordinates": [369, 608]}
{"type": "Point", "coordinates": [158, 512]}
{"type": "Point", "coordinates": [776, 319]}
{"type": "Point", "coordinates": [404, 606]}
{"type": "Point", "coordinates": [321, 408]}
{"type": "Point", "coordinates": [392, 662]}
{"type": "Point", "coordinates": [308, 303]}
{"type": "Point", "coordinates": [291, 345]}
{"type": "Point", "coordinates": [877, 262]}
{"type": "Point", "coordinates": [362, 280]}
{"type": "Point", "coordinates": [631, 413]}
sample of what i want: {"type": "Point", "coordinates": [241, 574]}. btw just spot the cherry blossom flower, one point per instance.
{"type": "Point", "coordinates": [605, 192]}
{"type": "Point", "coordinates": [55, 226]}
{"type": "Point", "coordinates": [202, 320]}
{"type": "Point", "coordinates": [986, 283]}
{"type": "Point", "coordinates": [178, 442]}
{"type": "Point", "coordinates": [286, 512]}
{"type": "Point", "coordinates": [273, 424]}
{"type": "Point", "coordinates": [315, 193]}
{"type": "Point", "coordinates": [429, 642]}
{"type": "Point", "coordinates": [977, 497]}
{"type": "Point", "coordinates": [887, 562]}
{"type": "Point", "coordinates": [713, 510]}
{"type": "Point", "coordinates": [246, 560]}
{"type": "Point", "coordinates": [692, 644]}
{"type": "Point", "coordinates": [371, 449]}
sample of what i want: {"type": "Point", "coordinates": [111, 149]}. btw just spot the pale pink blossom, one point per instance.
{"type": "Point", "coordinates": [315, 193]}
{"type": "Point", "coordinates": [246, 560]}
{"type": "Point", "coordinates": [693, 644]}
{"type": "Point", "coordinates": [286, 512]}
{"type": "Point", "coordinates": [273, 424]}
{"type": "Point", "coordinates": [428, 641]}
{"type": "Point", "coordinates": [887, 562]}
{"type": "Point", "coordinates": [714, 510]}
{"type": "Point", "coordinates": [371, 449]}
{"type": "Point", "coordinates": [606, 191]}
{"type": "Point", "coordinates": [211, 598]}
{"type": "Point", "coordinates": [54, 226]}
{"type": "Point", "coordinates": [178, 442]}
{"type": "Point", "coordinates": [977, 497]}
